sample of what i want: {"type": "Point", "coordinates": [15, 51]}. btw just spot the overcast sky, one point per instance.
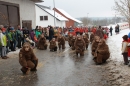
{"type": "Point", "coordinates": [80, 8]}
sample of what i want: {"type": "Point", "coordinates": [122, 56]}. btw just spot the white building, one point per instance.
{"type": "Point", "coordinates": [45, 17]}
{"type": "Point", "coordinates": [14, 12]}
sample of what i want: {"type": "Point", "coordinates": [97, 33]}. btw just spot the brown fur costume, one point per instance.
{"type": "Point", "coordinates": [99, 33]}
{"type": "Point", "coordinates": [70, 40]}
{"type": "Point", "coordinates": [27, 59]}
{"type": "Point", "coordinates": [87, 35]}
{"type": "Point", "coordinates": [53, 46]}
{"type": "Point", "coordinates": [42, 45]}
{"type": "Point", "coordinates": [73, 41]}
{"type": "Point", "coordinates": [80, 46]}
{"type": "Point", "coordinates": [95, 44]}
{"type": "Point", "coordinates": [86, 41]}
{"type": "Point", "coordinates": [102, 52]}
{"type": "Point", "coordinates": [61, 42]}
{"type": "Point", "coordinates": [91, 37]}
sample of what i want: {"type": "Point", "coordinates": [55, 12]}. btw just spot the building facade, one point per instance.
{"type": "Point", "coordinates": [45, 16]}
{"type": "Point", "coordinates": [18, 12]}
{"type": "Point", "coordinates": [71, 21]}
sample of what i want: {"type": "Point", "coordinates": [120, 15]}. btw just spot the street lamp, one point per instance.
{"type": "Point", "coordinates": [54, 13]}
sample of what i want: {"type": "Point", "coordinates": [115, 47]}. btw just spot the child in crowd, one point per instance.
{"type": "Point", "coordinates": [3, 44]}
{"type": "Point", "coordinates": [125, 49]}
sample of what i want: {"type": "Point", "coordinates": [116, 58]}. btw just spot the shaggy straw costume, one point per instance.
{"type": "Point", "coordinates": [27, 59]}
{"type": "Point", "coordinates": [91, 37]}
{"type": "Point", "coordinates": [86, 41]}
{"type": "Point", "coordinates": [102, 52]}
{"type": "Point", "coordinates": [95, 44]}
{"type": "Point", "coordinates": [53, 46]}
{"type": "Point", "coordinates": [79, 46]}
{"type": "Point", "coordinates": [72, 42]}
{"type": "Point", "coordinates": [42, 45]}
{"type": "Point", "coordinates": [61, 42]}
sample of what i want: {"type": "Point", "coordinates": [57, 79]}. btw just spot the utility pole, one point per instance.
{"type": "Point", "coordinates": [54, 13]}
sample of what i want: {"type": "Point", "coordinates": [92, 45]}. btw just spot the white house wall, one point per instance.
{"type": "Point", "coordinates": [50, 21]}
{"type": "Point", "coordinates": [27, 10]}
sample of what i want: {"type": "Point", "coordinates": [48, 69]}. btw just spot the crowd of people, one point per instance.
{"type": "Point", "coordinates": [79, 43]}
{"type": "Point", "coordinates": [78, 40]}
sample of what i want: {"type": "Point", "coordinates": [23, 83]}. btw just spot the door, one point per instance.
{"type": "Point", "coordinates": [27, 24]}
{"type": "Point", "coordinates": [13, 16]}
{"type": "Point", "coordinates": [3, 15]}
{"type": "Point", "coordinates": [9, 14]}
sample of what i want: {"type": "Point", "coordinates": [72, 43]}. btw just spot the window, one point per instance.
{"type": "Point", "coordinates": [41, 18]}
{"type": "Point", "coordinates": [45, 17]}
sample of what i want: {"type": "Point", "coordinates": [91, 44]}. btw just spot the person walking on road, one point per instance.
{"type": "Point", "coordinates": [111, 30]}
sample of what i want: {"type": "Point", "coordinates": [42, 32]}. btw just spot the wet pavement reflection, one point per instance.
{"type": "Point", "coordinates": [61, 68]}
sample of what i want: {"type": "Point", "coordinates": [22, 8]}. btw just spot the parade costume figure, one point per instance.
{"type": "Point", "coordinates": [73, 41]}
{"type": "Point", "coordinates": [91, 37]}
{"type": "Point", "coordinates": [61, 42]}
{"type": "Point", "coordinates": [27, 59]}
{"type": "Point", "coordinates": [70, 40]}
{"type": "Point", "coordinates": [79, 46]}
{"type": "Point", "coordinates": [42, 45]}
{"type": "Point", "coordinates": [99, 32]}
{"type": "Point", "coordinates": [125, 49]}
{"type": "Point", "coordinates": [95, 44]}
{"type": "Point", "coordinates": [102, 52]}
{"type": "Point", "coordinates": [86, 41]}
{"type": "Point", "coordinates": [86, 33]}
{"type": "Point", "coordinates": [53, 46]}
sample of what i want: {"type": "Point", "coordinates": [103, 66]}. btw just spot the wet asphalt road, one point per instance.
{"type": "Point", "coordinates": [61, 68]}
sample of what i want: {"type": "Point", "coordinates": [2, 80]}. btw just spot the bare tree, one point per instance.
{"type": "Point", "coordinates": [86, 21]}
{"type": "Point", "coordinates": [123, 8]}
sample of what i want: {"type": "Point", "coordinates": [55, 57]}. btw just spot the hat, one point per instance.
{"type": "Point", "coordinates": [11, 28]}
{"type": "Point", "coordinates": [125, 37]}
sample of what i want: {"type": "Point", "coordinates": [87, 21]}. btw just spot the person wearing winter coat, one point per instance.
{"type": "Point", "coordinates": [51, 33]}
{"type": "Point", "coordinates": [19, 36]}
{"type": "Point", "coordinates": [3, 44]}
{"type": "Point", "coordinates": [111, 30]}
{"type": "Point", "coordinates": [125, 49]}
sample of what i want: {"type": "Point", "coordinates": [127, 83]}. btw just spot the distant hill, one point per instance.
{"type": "Point", "coordinates": [97, 18]}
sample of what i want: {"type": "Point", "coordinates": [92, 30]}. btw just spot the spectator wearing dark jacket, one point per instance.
{"type": "Point", "coordinates": [51, 33]}
{"type": "Point", "coordinates": [111, 30]}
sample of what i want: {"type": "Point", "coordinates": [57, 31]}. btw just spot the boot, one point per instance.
{"type": "Point", "coordinates": [4, 57]}
{"type": "Point", "coordinates": [24, 70]}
